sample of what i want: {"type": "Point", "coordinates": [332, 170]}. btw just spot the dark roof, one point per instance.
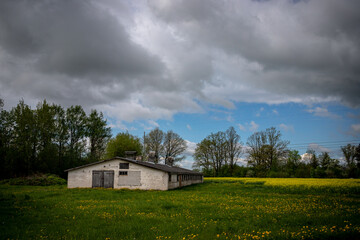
{"type": "Point", "coordinates": [161, 167]}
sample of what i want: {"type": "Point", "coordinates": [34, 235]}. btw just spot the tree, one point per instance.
{"type": "Point", "coordinates": [266, 149]}
{"type": "Point", "coordinates": [117, 146]}
{"type": "Point", "coordinates": [6, 143]}
{"type": "Point", "coordinates": [314, 162]}
{"type": "Point", "coordinates": [25, 140]}
{"type": "Point", "coordinates": [153, 142]}
{"type": "Point", "coordinates": [202, 155]}
{"type": "Point", "coordinates": [357, 156]}
{"type": "Point", "coordinates": [293, 158]}
{"type": "Point", "coordinates": [45, 119]}
{"type": "Point", "coordinates": [234, 148]}
{"type": "Point", "coordinates": [98, 134]}
{"type": "Point", "coordinates": [325, 160]}
{"type": "Point", "coordinates": [349, 152]}
{"type": "Point", "coordinates": [173, 147]}
{"type": "Point", "coordinates": [61, 137]}
{"type": "Point", "coordinates": [212, 151]}
{"type": "Point", "coordinates": [76, 125]}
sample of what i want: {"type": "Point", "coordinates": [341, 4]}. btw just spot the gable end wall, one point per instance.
{"type": "Point", "coordinates": [149, 178]}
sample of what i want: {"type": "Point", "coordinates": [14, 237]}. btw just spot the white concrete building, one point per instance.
{"type": "Point", "coordinates": [132, 174]}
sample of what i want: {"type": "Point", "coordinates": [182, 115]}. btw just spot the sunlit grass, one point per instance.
{"type": "Point", "coordinates": [221, 208]}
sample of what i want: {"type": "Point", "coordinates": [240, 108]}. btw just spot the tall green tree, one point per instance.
{"type": "Point", "coordinates": [211, 152]}
{"type": "Point", "coordinates": [76, 125]}
{"type": "Point", "coordinates": [203, 156]}
{"type": "Point", "coordinates": [98, 134]}
{"type": "Point", "coordinates": [6, 143]}
{"type": "Point", "coordinates": [117, 146]}
{"type": "Point", "coordinates": [234, 148]}
{"type": "Point", "coordinates": [25, 142]}
{"type": "Point", "coordinates": [325, 160]}
{"type": "Point", "coordinates": [349, 152]}
{"type": "Point", "coordinates": [357, 156]}
{"type": "Point", "coordinates": [61, 137]}
{"type": "Point", "coordinates": [45, 119]}
{"type": "Point", "coordinates": [173, 148]}
{"type": "Point", "coordinates": [266, 149]}
{"type": "Point", "coordinates": [293, 160]}
{"type": "Point", "coordinates": [314, 162]}
{"type": "Point", "coordinates": [154, 142]}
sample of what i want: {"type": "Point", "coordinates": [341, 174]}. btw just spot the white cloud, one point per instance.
{"type": "Point", "coordinates": [253, 126]}
{"type": "Point", "coordinates": [191, 146]}
{"type": "Point", "coordinates": [322, 112]}
{"type": "Point", "coordinates": [274, 111]}
{"type": "Point", "coordinates": [286, 128]}
{"type": "Point", "coordinates": [188, 126]}
{"type": "Point", "coordinates": [318, 148]}
{"type": "Point", "coordinates": [241, 127]}
{"type": "Point", "coordinates": [230, 118]}
{"type": "Point", "coordinates": [355, 130]}
{"type": "Point", "coordinates": [258, 114]}
{"type": "Point", "coordinates": [306, 157]}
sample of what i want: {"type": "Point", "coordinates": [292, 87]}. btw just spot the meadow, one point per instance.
{"type": "Point", "coordinates": [221, 208]}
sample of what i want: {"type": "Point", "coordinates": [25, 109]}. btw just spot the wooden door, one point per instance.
{"type": "Point", "coordinates": [97, 179]}
{"type": "Point", "coordinates": [108, 179]}
{"type": "Point", "coordinates": [103, 179]}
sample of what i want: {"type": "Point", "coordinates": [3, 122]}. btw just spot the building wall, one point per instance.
{"type": "Point", "coordinates": [177, 182]}
{"type": "Point", "coordinates": [149, 178]}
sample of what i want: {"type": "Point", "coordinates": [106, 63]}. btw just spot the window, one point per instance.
{"type": "Point", "coordinates": [169, 177]}
{"type": "Point", "coordinates": [124, 165]}
{"type": "Point", "coordinates": [123, 173]}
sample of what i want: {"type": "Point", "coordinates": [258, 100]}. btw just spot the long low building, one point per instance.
{"type": "Point", "coordinates": [121, 172]}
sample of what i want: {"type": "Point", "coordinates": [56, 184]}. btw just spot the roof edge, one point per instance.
{"type": "Point", "coordinates": [160, 167]}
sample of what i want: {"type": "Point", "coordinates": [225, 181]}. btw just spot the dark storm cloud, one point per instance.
{"type": "Point", "coordinates": [139, 59]}
{"type": "Point", "coordinates": [312, 47]}
{"type": "Point", "coordinates": [72, 37]}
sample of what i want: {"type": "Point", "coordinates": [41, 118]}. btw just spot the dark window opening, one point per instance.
{"type": "Point", "coordinates": [124, 165]}
{"type": "Point", "coordinates": [123, 173]}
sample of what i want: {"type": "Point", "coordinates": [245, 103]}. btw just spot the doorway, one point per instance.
{"type": "Point", "coordinates": [103, 179]}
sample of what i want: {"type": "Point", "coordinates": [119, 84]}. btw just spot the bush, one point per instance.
{"type": "Point", "coordinates": [273, 174]}
{"type": "Point", "coordinates": [36, 180]}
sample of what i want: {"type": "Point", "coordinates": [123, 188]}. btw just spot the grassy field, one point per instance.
{"type": "Point", "coordinates": [221, 208]}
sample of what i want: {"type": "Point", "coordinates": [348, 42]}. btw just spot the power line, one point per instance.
{"type": "Point", "coordinates": [329, 142]}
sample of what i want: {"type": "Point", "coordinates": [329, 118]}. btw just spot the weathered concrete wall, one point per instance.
{"type": "Point", "coordinates": [175, 184]}
{"type": "Point", "coordinates": [149, 178]}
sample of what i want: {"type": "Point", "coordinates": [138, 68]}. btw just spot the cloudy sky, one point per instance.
{"type": "Point", "coordinates": [195, 67]}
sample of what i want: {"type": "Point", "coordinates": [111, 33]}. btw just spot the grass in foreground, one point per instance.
{"type": "Point", "coordinates": [221, 208]}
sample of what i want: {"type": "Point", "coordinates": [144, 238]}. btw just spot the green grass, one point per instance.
{"type": "Point", "coordinates": [217, 209]}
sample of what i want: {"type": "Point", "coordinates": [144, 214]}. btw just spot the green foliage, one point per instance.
{"type": "Point", "coordinates": [173, 148]}
{"type": "Point", "coordinates": [218, 150]}
{"type": "Point", "coordinates": [217, 209]}
{"type": "Point", "coordinates": [48, 139]}
{"type": "Point", "coordinates": [117, 146]}
{"type": "Point", "coordinates": [266, 149]}
{"type": "Point", "coordinates": [98, 133]}
{"type": "Point", "coordinates": [36, 180]}
{"type": "Point", "coordinates": [169, 145]}
{"type": "Point", "coordinates": [154, 143]}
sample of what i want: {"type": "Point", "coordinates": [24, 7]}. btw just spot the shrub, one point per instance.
{"type": "Point", "coordinates": [36, 180]}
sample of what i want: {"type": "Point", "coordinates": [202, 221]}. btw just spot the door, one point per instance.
{"type": "Point", "coordinates": [103, 179]}
{"type": "Point", "coordinates": [108, 179]}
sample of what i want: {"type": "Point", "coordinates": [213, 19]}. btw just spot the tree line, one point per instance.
{"type": "Point", "coordinates": [268, 155]}
{"type": "Point", "coordinates": [49, 139]}
{"type": "Point", "coordinates": [155, 146]}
